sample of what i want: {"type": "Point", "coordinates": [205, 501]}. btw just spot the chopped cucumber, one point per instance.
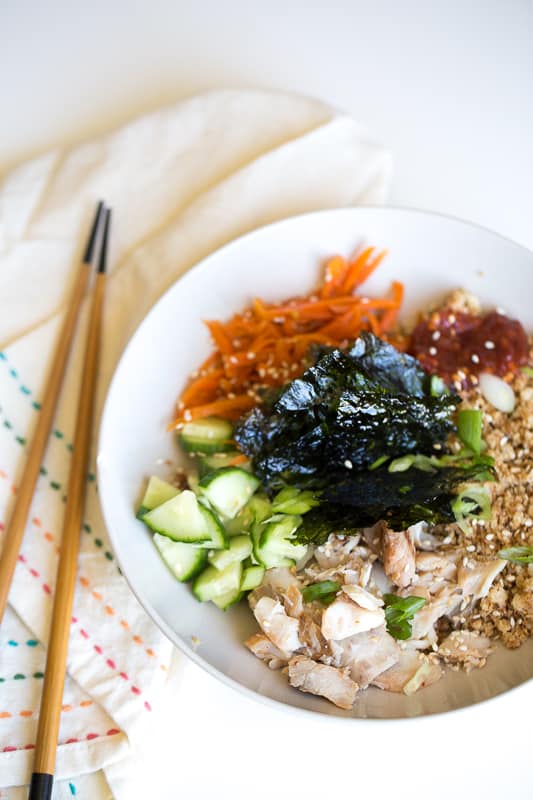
{"type": "Point", "coordinates": [184, 560]}
{"type": "Point", "coordinates": [228, 490]}
{"type": "Point", "coordinates": [181, 518]}
{"type": "Point", "coordinates": [193, 480]}
{"type": "Point", "coordinates": [240, 547]}
{"type": "Point", "coordinates": [213, 583]}
{"type": "Point", "coordinates": [210, 463]}
{"type": "Point", "coordinates": [258, 508]}
{"type": "Point", "coordinates": [224, 601]}
{"type": "Point", "coordinates": [217, 535]}
{"type": "Point", "coordinates": [157, 492]}
{"type": "Point", "coordinates": [272, 542]}
{"type": "Point", "coordinates": [252, 577]}
{"type": "Point", "coordinates": [210, 435]}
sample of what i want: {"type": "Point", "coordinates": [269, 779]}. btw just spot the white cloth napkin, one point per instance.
{"type": "Point", "coordinates": [182, 182]}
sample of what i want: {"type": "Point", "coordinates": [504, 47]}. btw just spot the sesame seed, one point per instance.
{"type": "Point", "coordinates": [348, 464]}
{"type": "Point", "coordinates": [233, 360]}
{"type": "Point", "coordinates": [504, 440]}
{"type": "Point", "coordinates": [475, 358]}
{"type": "Point", "coordinates": [432, 351]}
{"type": "Point", "coordinates": [250, 356]}
{"type": "Point", "coordinates": [471, 548]}
{"type": "Point", "coordinates": [435, 336]}
{"type": "Point", "coordinates": [452, 319]}
{"type": "Point", "coordinates": [463, 648]}
{"type": "Point", "coordinates": [489, 537]}
{"type": "Point", "coordinates": [489, 345]}
{"type": "Point", "coordinates": [187, 415]}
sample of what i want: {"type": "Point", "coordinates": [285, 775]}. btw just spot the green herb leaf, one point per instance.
{"type": "Point", "coordinates": [399, 613]}
{"type": "Point", "coordinates": [469, 427]}
{"type": "Point", "coordinates": [324, 591]}
{"type": "Point", "coordinates": [518, 555]}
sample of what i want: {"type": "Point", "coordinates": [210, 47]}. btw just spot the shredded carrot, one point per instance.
{"type": "Point", "coordinates": [238, 460]}
{"type": "Point", "coordinates": [389, 317]}
{"type": "Point", "coordinates": [268, 343]}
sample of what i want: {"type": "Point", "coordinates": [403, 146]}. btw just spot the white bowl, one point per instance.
{"type": "Point", "coordinates": [431, 254]}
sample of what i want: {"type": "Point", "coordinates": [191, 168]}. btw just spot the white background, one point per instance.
{"type": "Point", "coordinates": [448, 87]}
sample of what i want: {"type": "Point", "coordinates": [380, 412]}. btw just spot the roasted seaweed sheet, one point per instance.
{"type": "Point", "coordinates": [329, 431]}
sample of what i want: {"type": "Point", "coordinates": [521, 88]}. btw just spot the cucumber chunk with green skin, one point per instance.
{"type": "Point", "coordinates": [185, 561]}
{"type": "Point", "coordinates": [272, 543]}
{"type": "Point", "coordinates": [258, 508]}
{"type": "Point", "coordinates": [213, 582]}
{"type": "Point", "coordinates": [157, 492]}
{"type": "Point", "coordinates": [228, 490]}
{"type": "Point", "coordinates": [252, 577]}
{"type": "Point", "coordinates": [217, 535]}
{"type": "Point", "coordinates": [240, 547]}
{"type": "Point", "coordinates": [210, 463]}
{"type": "Point", "coordinates": [209, 435]}
{"type": "Point", "coordinates": [180, 518]}
{"type": "Point", "coordinates": [228, 599]}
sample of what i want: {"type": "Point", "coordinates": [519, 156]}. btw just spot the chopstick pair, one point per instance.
{"type": "Point", "coordinates": [50, 710]}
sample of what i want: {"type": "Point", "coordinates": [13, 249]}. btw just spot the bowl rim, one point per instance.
{"type": "Point", "coordinates": [175, 638]}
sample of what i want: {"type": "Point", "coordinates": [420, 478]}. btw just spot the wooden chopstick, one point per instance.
{"type": "Point", "coordinates": [50, 711]}
{"type": "Point", "coordinates": [15, 529]}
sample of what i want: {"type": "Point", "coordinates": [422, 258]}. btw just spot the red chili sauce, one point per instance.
{"type": "Point", "coordinates": [458, 346]}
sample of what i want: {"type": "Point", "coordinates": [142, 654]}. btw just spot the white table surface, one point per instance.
{"type": "Point", "coordinates": [448, 87]}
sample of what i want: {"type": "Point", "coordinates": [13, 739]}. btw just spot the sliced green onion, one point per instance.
{"type": "Point", "coordinates": [527, 371]}
{"type": "Point", "coordinates": [293, 501]}
{"type": "Point", "coordinates": [469, 427]}
{"type": "Point", "coordinates": [320, 591]}
{"type": "Point", "coordinates": [401, 464]}
{"type": "Point", "coordinates": [518, 555]}
{"type": "Point", "coordinates": [437, 386]}
{"type": "Point", "coordinates": [399, 613]}
{"type": "Point", "coordinates": [378, 462]}
{"type": "Point", "coordinates": [472, 503]}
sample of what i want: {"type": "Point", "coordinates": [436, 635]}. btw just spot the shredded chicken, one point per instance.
{"type": "Point", "coordinates": [263, 648]}
{"type": "Point", "coordinates": [281, 629]}
{"type": "Point", "coordinates": [367, 655]}
{"type": "Point", "coordinates": [476, 577]}
{"type": "Point", "coordinates": [444, 603]}
{"type": "Point", "coordinates": [345, 618]}
{"type": "Point", "coordinates": [466, 648]}
{"type": "Point", "coordinates": [411, 672]}
{"type": "Point", "coordinates": [314, 643]}
{"type": "Point", "coordinates": [399, 557]}
{"type": "Point", "coordinates": [320, 679]}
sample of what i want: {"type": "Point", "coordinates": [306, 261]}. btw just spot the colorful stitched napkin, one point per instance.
{"type": "Point", "coordinates": [182, 182]}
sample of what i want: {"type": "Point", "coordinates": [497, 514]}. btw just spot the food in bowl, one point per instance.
{"type": "Point", "coordinates": [364, 487]}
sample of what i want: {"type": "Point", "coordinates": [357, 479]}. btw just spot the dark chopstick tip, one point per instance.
{"type": "Point", "coordinates": [89, 250]}
{"type": "Point", "coordinates": [102, 263]}
{"type": "Point", "coordinates": [41, 786]}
